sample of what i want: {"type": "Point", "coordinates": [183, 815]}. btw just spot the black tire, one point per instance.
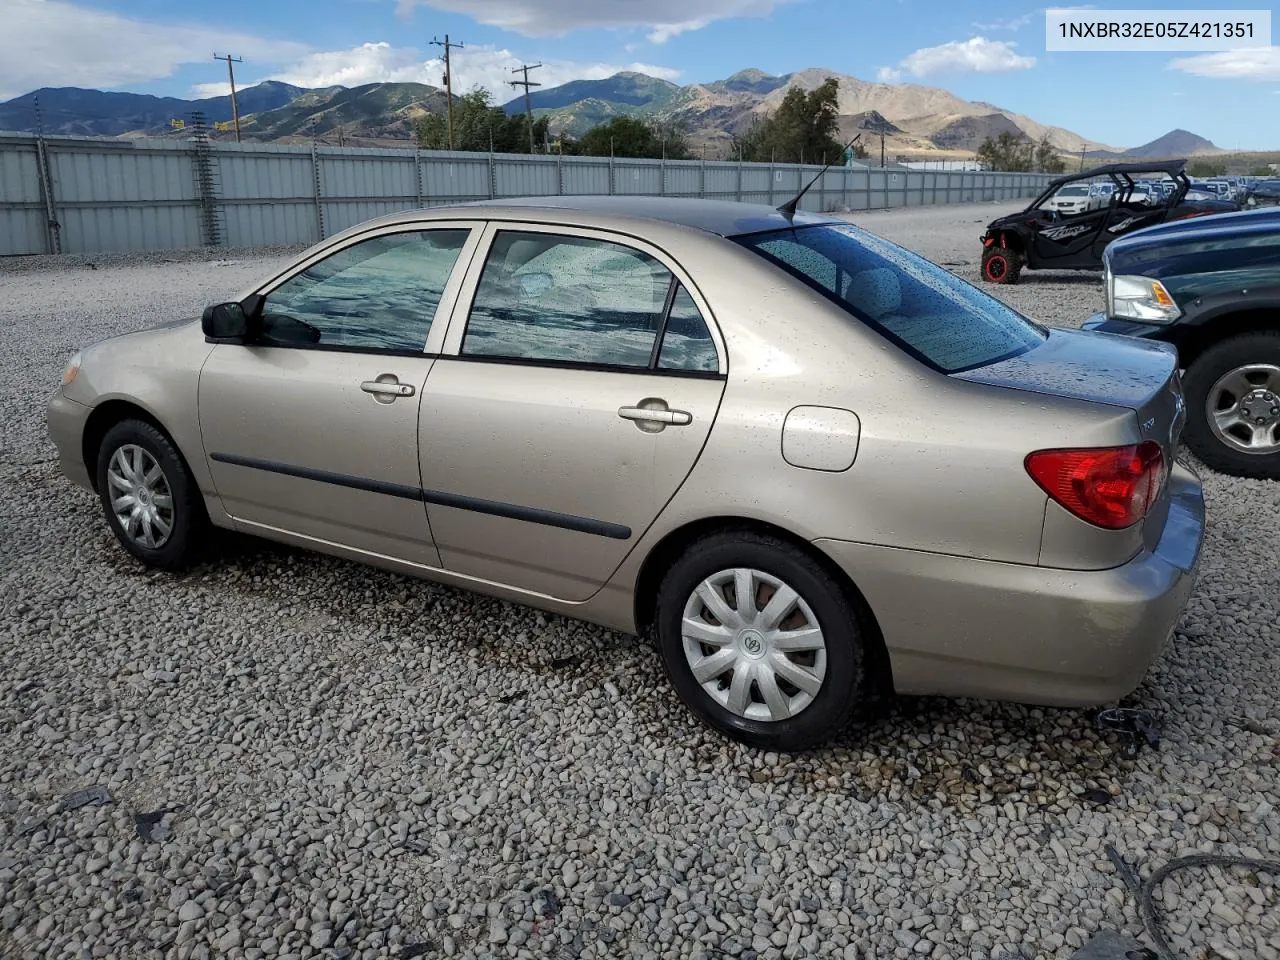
{"type": "Point", "coordinates": [845, 684]}
{"type": "Point", "coordinates": [188, 524]}
{"type": "Point", "coordinates": [1207, 369]}
{"type": "Point", "coordinates": [1001, 265]}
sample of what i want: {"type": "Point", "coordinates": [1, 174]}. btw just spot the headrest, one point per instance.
{"type": "Point", "coordinates": [876, 292]}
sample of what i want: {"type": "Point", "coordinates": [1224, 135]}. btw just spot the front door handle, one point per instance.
{"type": "Point", "coordinates": [653, 414]}
{"type": "Point", "coordinates": [386, 388]}
{"type": "Point", "coordinates": [673, 418]}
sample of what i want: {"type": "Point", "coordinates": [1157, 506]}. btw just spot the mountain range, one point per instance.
{"type": "Point", "coordinates": [75, 111]}
{"type": "Point", "coordinates": [915, 120]}
{"type": "Point", "coordinates": [1175, 143]}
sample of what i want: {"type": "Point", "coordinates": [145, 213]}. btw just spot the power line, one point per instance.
{"type": "Point", "coordinates": [448, 78]}
{"type": "Point", "coordinates": [231, 76]}
{"type": "Point", "coordinates": [528, 104]}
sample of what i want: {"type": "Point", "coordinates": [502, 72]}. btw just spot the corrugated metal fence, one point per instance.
{"type": "Point", "coordinates": [65, 195]}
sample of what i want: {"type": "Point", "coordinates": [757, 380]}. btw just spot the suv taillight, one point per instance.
{"type": "Point", "coordinates": [1110, 487]}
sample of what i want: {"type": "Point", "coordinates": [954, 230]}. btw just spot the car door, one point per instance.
{"type": "Point", "coordinates": [311, 428]}
{"type": "Point", "coordinates": [1065, 240]}
{"type": "Point", "coordinates": [580, 378]}
{"type": "Point", "coordinates": [1128, 213]}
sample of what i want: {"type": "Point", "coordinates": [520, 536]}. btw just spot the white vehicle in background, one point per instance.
{"type": "Point", "coordinates": [1220, 188]}
{"type": "Point", "coordinates": [1101, 193]}
{"type": "Point", "coordinates": [1143, 194]}
{"type": "Point", "coordinates": [1072, 199]}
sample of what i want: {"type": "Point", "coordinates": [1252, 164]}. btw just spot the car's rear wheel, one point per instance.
{"type": "Point", "coordinates": [761, 642]}
{"type": "Point", "coordinates": [1233, 406]}
{"type": "Point", "coordinates": [149, 496]}
{"type": "Point", "coordinates": [1001, 265]}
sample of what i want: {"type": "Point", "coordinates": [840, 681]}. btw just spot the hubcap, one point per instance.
{"type": "Point", "coordinates": [1244, 409]}
{"type": "Point", "coordinates": [140, 496]}
{"type": "Point", "coordinates": [753, 644]}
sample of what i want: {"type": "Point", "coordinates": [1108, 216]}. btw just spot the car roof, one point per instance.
{"type": "Point", "coordinates": [724, 218]}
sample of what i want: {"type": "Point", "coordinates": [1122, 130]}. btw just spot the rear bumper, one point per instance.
{"type": "Point", "coordinates": [964, 627]}
{"type": "Point", "coordinates": [66, 419]}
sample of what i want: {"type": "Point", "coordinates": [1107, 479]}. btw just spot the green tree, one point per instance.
{"type": "Point", "coordinates": [1047, 158]}
{"type": "Point", "coordinates": [1261, 170]}
{"type": "Point", "coordinates": [1206, 168]}
{"type": "Point", "coordinates": [480, 126]}
{"type": "Point", "coordinates": [802, 130]}
{"type": "Point", "coordinates": [618, 137]}
{"type": "Point", "coordinates": [633, 137]}
{"type": "Point", "coordinates": [1007, 152]}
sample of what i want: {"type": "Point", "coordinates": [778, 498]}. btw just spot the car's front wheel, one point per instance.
{"type": "Point", "coordinates": [1001, 265]}
{"type": "Point", "coordinates": [1233, 406]}
{"type": "Point", "coordinates": [761, 642]}
{"type": "Point", "coordinates": [149, 496]}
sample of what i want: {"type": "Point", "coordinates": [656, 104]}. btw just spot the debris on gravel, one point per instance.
{"type": "Point", "coordinates": [352, 764]}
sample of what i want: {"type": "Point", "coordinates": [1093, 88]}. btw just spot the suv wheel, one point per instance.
{"type": "Point", "coordinates": [1233, 406]}
{"type": "Point", "coordinates": [1001, 265]}
{"type": "Point", "coordinates": [149, 496]}
{"type": "Point", "coordinates": [761, 643]}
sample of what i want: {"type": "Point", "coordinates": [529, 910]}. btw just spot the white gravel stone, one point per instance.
{"type": "Point", "coordinates": [348, 779]}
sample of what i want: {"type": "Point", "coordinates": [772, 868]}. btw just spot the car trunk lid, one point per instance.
{"type": "Point", "coordinates": [1102, 368]}
{"type": "Point", "coordinates": [1139, 375]}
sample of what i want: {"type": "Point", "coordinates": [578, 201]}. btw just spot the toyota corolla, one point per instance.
{"type": "Point", "coordinates": [813, 464]}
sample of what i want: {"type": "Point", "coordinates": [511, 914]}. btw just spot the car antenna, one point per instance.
{"type": "Point", "coordinates": [788, 209]}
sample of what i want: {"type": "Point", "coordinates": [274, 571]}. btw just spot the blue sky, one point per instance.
{"type": "Point", "coordinates": [991, 51]}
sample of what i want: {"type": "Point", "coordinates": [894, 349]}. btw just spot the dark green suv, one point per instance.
{"type": "Point", "coordinates": [1210, 287]}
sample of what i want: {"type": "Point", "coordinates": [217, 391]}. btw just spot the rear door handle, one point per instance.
{"type": "Point", "coordinates": [657, 415]}
{"type": "Point", "coordinates": [388, 388]}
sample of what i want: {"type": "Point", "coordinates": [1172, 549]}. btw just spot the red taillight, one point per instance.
{"type": "Point", "coordinates": [1111, 487]}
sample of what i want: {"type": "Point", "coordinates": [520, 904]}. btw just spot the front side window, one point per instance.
{"type": "Point", "coordinates": [379, 294]}
{"type": "Point", "coordinates": [937, 317]}
{"type": "Point", "coordinates": [578, 300]}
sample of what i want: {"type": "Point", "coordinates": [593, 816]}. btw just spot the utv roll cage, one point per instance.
{"type": "Point", "coordinates": [1121, 175]}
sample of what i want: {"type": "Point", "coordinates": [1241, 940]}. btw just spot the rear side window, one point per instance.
{"type": "Point", "coordinates": [582, 301]}
{"type": "Point", "coordinates": [687, 344]}
{"type": "Point", "coordinates": [933, 315]}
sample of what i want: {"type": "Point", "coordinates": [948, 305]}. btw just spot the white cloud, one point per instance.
{"type": "Point", "coordinates": [367, 63]}
{"type": "Point", "coordinates": [56, 43]}
{"type": "Point", "coordinates": [662, 34]}
{"type": "Point", "coordinates": [223, 89]}
{"type": "Point", "coordinates": [1257, 63]}
{"type": "Point", "coordinates": [1011, 24]}
{"type": "Point", "coordinates": [543, 18]}
{"type": "Point", "coordinates": [486, 67]}
{"type": "Point", "coordinates": [975, 55]}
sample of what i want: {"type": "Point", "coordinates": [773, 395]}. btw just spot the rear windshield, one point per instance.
{"type": "Point", "coordinates": [934, 316]}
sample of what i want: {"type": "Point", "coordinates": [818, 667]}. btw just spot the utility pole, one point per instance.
{"type": "Point", "coordinates": [528, 104]}
{"type": "Point", "coordinates": [231, 76]}
{"type": "Point", "coordinates": [448, 78]}
{"type": "Point", "coordinates": [1083, 147]}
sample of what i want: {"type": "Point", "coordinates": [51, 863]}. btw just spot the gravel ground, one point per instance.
{"type": "Point", "coordinates": [309, 758]}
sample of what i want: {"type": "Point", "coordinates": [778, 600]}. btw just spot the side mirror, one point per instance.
{"type": "Point", "coordinates": [225, 323]}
